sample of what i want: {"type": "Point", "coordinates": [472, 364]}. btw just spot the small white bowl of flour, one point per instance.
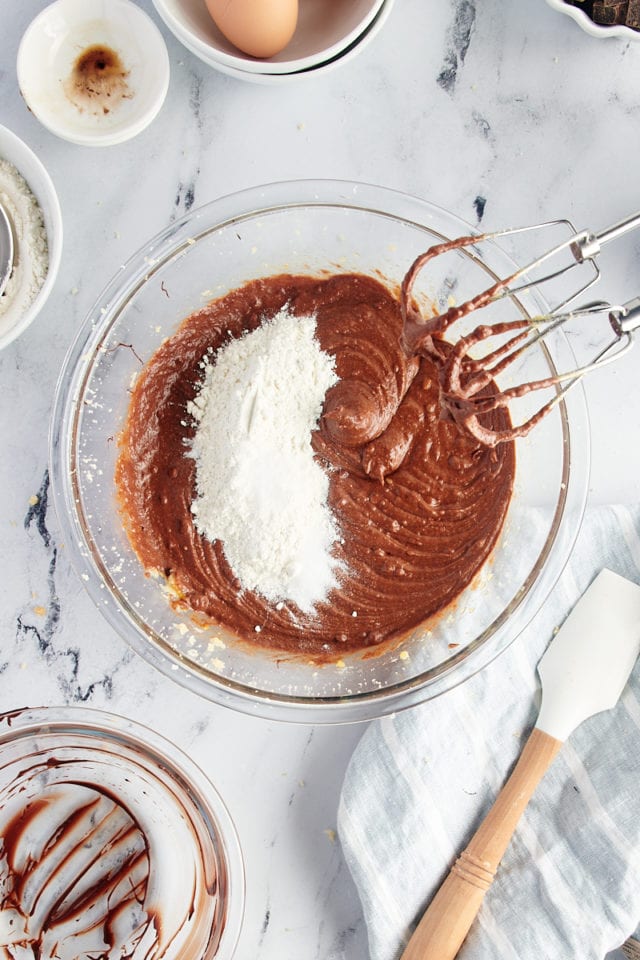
{"type": "Point", "coordinates": [31, 203]}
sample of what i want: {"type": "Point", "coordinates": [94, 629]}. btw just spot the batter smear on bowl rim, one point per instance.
{"type": "Point", "coordinates": [288, 466]}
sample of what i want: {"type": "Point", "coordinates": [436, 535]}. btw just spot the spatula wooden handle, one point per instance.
{"type": "Point", "coordinates": [447, 920]}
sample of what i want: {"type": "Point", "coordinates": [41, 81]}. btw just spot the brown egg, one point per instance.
{"type": "Point", "coordinates": [260, 28]}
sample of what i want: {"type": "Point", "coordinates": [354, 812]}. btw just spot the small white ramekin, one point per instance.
{"type": "Point", "coordinates": [50, 47]}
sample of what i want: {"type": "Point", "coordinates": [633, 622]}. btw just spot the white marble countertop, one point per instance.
{"type": "Point", "coordinates": [506, 108]}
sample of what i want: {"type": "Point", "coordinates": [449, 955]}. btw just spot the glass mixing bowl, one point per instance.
{"type": "Point", "coordinates": [111, 841]}
{"type": "Point", "coordinates": [305, 227]}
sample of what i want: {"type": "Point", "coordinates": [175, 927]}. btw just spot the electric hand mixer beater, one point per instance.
{"type": "Point", "coordinates": [465, 379]}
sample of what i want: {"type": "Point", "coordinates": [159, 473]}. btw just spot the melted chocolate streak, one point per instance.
{"type": "Point", "coordinates": [10, 715]}
{"type": "Point", "coordinates": [113, 881]}
{"type": "Point", "coordinates": [44, 635]}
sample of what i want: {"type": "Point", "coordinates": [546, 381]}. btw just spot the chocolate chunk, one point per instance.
{"type": "Point", "coordinates": [609, 12]}
{"type": "Point", "coordinates": [632, 18]}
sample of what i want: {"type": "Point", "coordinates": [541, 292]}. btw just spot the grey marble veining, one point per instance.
{"type": "Point", "coordinates": [502, 113]}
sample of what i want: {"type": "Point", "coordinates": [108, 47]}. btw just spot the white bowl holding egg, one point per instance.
{"type": "Point", "coordinates": [324, 30]}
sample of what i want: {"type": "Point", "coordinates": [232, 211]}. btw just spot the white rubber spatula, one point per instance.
{"type": "Point", "coordinates": [583, 672]}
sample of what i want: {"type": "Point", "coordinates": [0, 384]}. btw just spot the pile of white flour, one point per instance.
{"type": "Point", "coordinates": [259, 490]}
{"type": "Point", "coordinates": [30, 239]}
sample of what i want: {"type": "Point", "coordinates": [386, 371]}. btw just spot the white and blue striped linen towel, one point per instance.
{"type": "Point", "coordinates": [420, 782]}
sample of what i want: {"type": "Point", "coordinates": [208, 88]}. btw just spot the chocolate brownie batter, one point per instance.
{"type": "Point", "coordinates": [419, 501]}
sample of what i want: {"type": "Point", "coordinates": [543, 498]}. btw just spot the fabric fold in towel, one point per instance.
{"type": "Point", "coordinates": [420, 782]}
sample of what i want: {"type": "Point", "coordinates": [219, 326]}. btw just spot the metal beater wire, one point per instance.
{"type": "Point", "coordinates": [464, 377]}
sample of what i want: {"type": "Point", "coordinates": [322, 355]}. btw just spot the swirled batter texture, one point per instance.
{"type": "Point", "coordinates": [419, 502]}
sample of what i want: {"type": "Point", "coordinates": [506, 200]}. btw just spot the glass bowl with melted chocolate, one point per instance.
{"type": "Point", "coordinates": [443, 548]}
{"type": "Point", "coordinates": [112, 843]}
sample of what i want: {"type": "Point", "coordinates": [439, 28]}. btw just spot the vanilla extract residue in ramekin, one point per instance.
{"type": "Point", "coordinates": [98, 82]}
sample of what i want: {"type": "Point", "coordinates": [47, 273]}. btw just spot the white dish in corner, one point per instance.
{"type": "Point", "coordinates": [589, 26]}
{"type": "Point", "coordinates": [76, 94]}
